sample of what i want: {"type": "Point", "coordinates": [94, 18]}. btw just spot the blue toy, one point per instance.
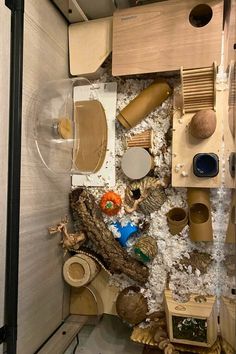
{"type": "Point", "coordinates": [126, 232]}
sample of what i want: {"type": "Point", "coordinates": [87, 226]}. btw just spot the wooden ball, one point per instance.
{"type": "Point", "coordinates": [131, 305]}
{"type": "Point", "coordinates": [203, 124]}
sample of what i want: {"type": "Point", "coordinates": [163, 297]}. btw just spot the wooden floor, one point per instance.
{"type": "Point", "coordinates": [43, 197]}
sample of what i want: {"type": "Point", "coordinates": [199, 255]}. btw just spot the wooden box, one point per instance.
{"type": "Point", "coordinates": [227, 321]}
{"type": "Point", "coordinates": [160, 37]}
{"type": "Point", "coordinates": [193, 322]}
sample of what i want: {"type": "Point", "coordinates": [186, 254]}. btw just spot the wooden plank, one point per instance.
{"type": "Point", "coordinates": [159, 37]}
{"type": "Point", "coordinates": [62, 338]}
{"type": "Point", "coordinates": [5, 31]}
{"type": "Point", "coordinates": [43, 196]}
{"type": "Point", "coordinates": [76, 14]}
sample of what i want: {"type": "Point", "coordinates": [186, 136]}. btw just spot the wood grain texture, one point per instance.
{"type": "Point", "coordinates": [4, 104]}
{"type": "Point", "coordinates": [185, 146]}
{"type": "Point", "coordinates": [62, 338]}
{"type": "Point", "coordinates": [201, 96]}
{"type": "Point", "coordinates": [159, 37]}
{"type": "Point", "coordinates": [94, 37]}
{"type": "Point", "coordinates": [206, 310]}
{"type": "Point", "coordinates": [107, 293]}
{"type": "Point", "coordinates": [43, 197]}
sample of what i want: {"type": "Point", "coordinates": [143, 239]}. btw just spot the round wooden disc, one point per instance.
{"type": "Point", "coordinates": [136, 163]}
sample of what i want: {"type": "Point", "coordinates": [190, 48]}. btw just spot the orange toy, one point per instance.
{"type": "Point", "coordinates": [110, 203]}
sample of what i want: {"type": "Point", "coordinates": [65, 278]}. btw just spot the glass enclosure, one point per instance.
{"type": "Point", "coordinates": [120, 202]}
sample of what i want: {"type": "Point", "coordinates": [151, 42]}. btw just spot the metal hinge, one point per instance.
{"type": "Point", "coordinates": [15, 5]}
{"type": "Point", "coordinates": [3, 334]}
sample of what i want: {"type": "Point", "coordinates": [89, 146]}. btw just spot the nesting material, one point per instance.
{"type": "Point", "coordinates": [131, 305]}
{"type": "Point", "coordinates": [203, 124]}
{"type": "Point", "coordinates": [80, 270]}
{"type": "Point", "coordinates": [146, 195]}
{"type": "Point", "coordinates": [144, 140]}
{"type": "Point", "coordinates": [177, 219]}
{"type": "Point", "coordinates": [145, 248]}
{"type": "Point", "coordinates": [199, 215]}
{"type": "Point", "coordinates": [136, 163]}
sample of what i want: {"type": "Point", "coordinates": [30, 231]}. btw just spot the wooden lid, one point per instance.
{"type": "Point", "coordinates": [136, 163]}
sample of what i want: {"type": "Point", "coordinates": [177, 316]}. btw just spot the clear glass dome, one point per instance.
{"type": "Point", "coordinates": [70, 127]}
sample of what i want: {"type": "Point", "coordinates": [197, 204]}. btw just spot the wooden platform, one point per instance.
{"type": "Point", "coordinates": [200, 90]}
{"type": "Point", "coordinates": [159, 37]}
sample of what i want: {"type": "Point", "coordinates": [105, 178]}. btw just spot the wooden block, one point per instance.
{"type": "Point", "coordinates": [227, 320]}
{"type": "Point", "coordinates": [159, 37]}
{"type": "Point", "coordinates": [89, 45]}
{"type": "Point", "coordinates": [107, 294]}
{"type": "Point", "coordinates": [202, 315]}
